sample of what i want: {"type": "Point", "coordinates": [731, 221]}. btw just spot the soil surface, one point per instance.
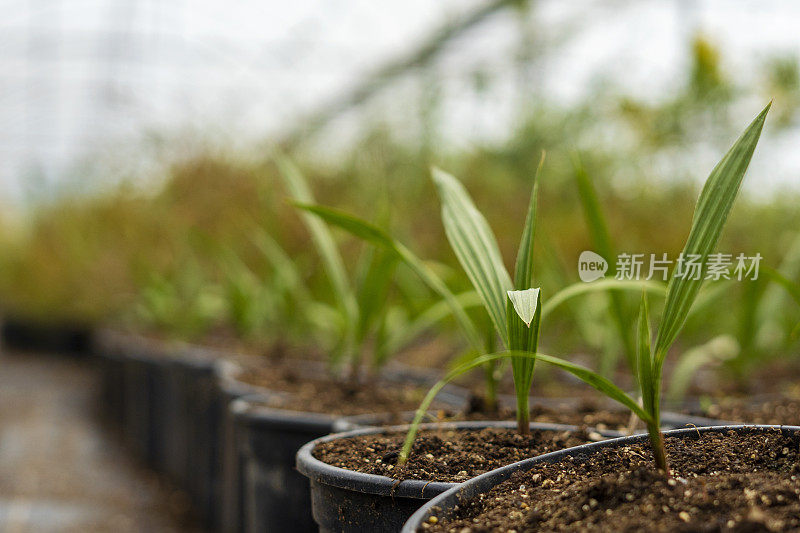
{"type": "Point", "coordinates": [586, 413]}
{"type": "Point", "coordinates": [446, 455]}
{"type": "Point", "coordinates": [737, 482]}
{"type": "Point", "coordinates": [60, 470]}
{"type": "Point", "coordinates": [311, 390]}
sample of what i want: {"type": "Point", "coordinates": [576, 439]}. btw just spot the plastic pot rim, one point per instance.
{"type": "Point", "coordinates": [249, 411]}
{"type": "Point", "coordinates": [324, 473]}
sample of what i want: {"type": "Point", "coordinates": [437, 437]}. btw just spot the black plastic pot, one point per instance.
{"type": "Point", "coordinates": [274, 497]}
{"type": "Point", "coordinates": [249, 460]}
{"type": "Point", "coordinates": [137, 418]}
{"type": "Point", "coordinates": [61, 338]}
{"type": "Point", "coordinates": [182, 400]}
{"type": "Point", "coordinates": [443, 505]}
{"type": "Point", "coordinates": [199, 428]}
{"type": "Point", "coordinates": [110, 363]}
{"type": "Point", "coordinates": [133, 370]}
{"type": "Point", "coordinates": [169, 412]}
{"type": "Point", "coordinates": [229, 463]}
{"type": "Point", "coordinates": [348, 501]}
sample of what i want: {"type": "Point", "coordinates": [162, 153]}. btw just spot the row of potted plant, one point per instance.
{"type": "Point", "coordinates": [228, 426]}
{"type": "Point", "coordinates": [239, 435]}
{"type": "Point", "coordinates": [339, 495]}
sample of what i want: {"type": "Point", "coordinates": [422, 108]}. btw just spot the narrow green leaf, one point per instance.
{"type": "Point", "coordinates": [711, 212]}
{"type": "Point", "coordinates": [374, 288]}
{"type": "Point", "coordinates": [523, 270]}
{"type": "Point", "coordinates": [580, 288]}
{"type": "Point", "coordinates": [595, 219]}
{"type": "Point", "coordinates": [475, 247]}
{"type": "Point", "coordinates": [334, 264]}
{"type": "Point", "coordinates": [426, 320]}
{"type": "Point", "coordinates": [368, 232]}
{"type": "Point", "coordinates": [644, 360]}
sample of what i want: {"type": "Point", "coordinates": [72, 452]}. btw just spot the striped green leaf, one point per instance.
{"type": "Point", "coordinates": [523, 269]}
{"type": "Point", "coordinates": [475, 247]}
{"type": "Point", "coordinates": [711, 212]}
{"type": "Point", "coordinates": [644, 360]}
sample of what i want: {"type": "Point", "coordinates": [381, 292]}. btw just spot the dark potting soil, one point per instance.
{"type": "Point", "coordinates": [730, 482]}
{"type": "Point", "coordinates": [446, 455]}
{"type": "Point", "coordinates": [586, 413]}
{"type": "Point", "coordinates": [343, 397]}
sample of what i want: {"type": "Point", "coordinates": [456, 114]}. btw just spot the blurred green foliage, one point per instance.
{"type": "Point", "coordinates": [188, 258]}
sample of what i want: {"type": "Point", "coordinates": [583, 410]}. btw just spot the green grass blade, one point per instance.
{"type": "Point", "coordinates": [711, 212]}
{"type": "Point", "coordinates": [591, 378]}
{"type": "Point", "coordinates": [595, 219]}
{"type": "Point", "coordinates": [373, 289]}
{"type": "Point", "coordinates": [475, 247]}
{"type": "Point", "coordinates": [323, 240]}
{"type": "Point", "coordinates": [368, 232]}
{"type": "Point", "coordinates": [436, 313]}
{"type": "Point", "coordinates": [581, 288]}
{"type": "Point", "coordinates": [284, 269]}
{"type": "Point", "coordinates": [644, 360]}
{"type": "Point", "coordinates": [523, 270]}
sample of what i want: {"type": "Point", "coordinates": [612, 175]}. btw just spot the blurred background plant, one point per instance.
{"type": "Point", "coordinates": [201, 244]}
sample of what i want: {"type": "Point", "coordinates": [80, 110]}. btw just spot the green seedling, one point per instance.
{"type": "Point", "coordinates": [514, 308]}
{"type": "Point", "coordinates": [711, 212]}
{"type": "Point", "coordinates": [713, 206]}
{"type": "Point", "coordinates": [368, 322]}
